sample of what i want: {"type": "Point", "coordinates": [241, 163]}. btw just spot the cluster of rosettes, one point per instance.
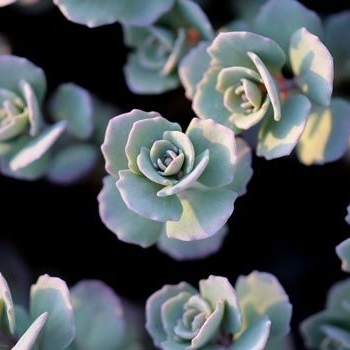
{"type": "Point", "coordinates": [255, 314]}
{"type": "Point", "coordinates": [87, 316]}
{"type": "Point", "coordinates": [63, 145]}
{"type": "Point", "coordinates": [170, 187]}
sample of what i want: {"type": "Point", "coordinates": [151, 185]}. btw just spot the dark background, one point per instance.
{"type": "Point", "coordinates": [288, 223]}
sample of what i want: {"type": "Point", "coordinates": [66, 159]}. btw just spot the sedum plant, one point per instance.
{"type": "Point", "coordinates": [250, 315]}
{"type": "Point", "coordinates": [87, 316]}
{"type": "Point", "coordinates": [165, 180]}
{"type": "Point", "coordinates": [268, 79]}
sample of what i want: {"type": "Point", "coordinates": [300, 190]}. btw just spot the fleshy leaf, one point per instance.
{"type": "Point", "coordinates": [71, 164]}
{"type": "Point", "coordinates": [200, 218]}
{"type": "Point", "coordinates": [343, 252]}
{"type": "Point", "coordinates": [154, 304]}
{"type": "Point", "coordinates": [347, 217]}
{"type": "Point", "coordinates": [14, 69]}
{"type": "Point", "coordinates": [7, 306]}
{"type": "Point", "coordinates": [192, 68]}
{"type": "Point", "coordinates": [337, 43]}
{"type": "Point", "coordinates": [259, 294]}
{"type": "Point", "coordinates": [99, 316]}
{"type": "Point", "coordinates": [326, 135]}
{"type": "Point", "coordinates": [34, 113]}
{"type": "Point", "coordinates": [278, 139]}
{"type": "Point", "coordinates": [51, 294]}
{"type": "Point", "coordinates": [190, 250]}
{"type": "Point", "coordinates": [210, 327]}
{"type": "Point", "coordinates": [72, 103]}
{"type": "Point", "coordinates": [28, 339]}
{"type": "Point", "coordinates": [243, 168]}
{"type": "Point", "coordinates": [117, 217]}
{"type": "Point", "coordinates": [289, 15]}
{"type": "Point", "coordinates": [208, 102]}
{"type": "Point", "coordinates": [230, 50]}
{"type": "Point", "coordinates": [144, 133]}
{"type": "Point", "coordinates": [128, 12]}
{"type": "Point", "coordinates": [116, 137]}
{"type": "Point", "coordinates": [140, 196]}
{"type": "Point", "coordinates": [255, 337]}
{"type": "Point", "coordinates": [312, 65]}
{"type": "Point", "coordinates": [141, 80]}
{"type": "Point", "coordinates": [37, 147]}
{"type": "Point", "coordinates": [337, 334]}
{"type": "Point", "coordinates": [220, 142]}
{"type": "Point", "coordinates": [217, 288]}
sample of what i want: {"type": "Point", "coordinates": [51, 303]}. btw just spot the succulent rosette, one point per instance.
{"type": "Point", "coordinates": [157, 50]}
{"type": "Point", "coordinates": [251, 315]}
{"type": "Point", "coordinates": [329, 329]}
{"type": "Point", "coordinates": [49, 322]}
{"type": "Point", "coordinates": [25, 138]}
{"type": "Point", "coordinates": [166, 181]}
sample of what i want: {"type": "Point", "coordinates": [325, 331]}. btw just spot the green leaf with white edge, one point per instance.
{"type": "Point", "coordinates": [74, 104]}
{"type": "Point", "coordinates": [154, 303]}
{"type": "Point", "coordinates": [142, 80]}
{"type": "Point", "coordinates": [219, 141]}
{"type": "Point", "coordinates": [188, 181]}
{"type": "Point", "coordinates": [193, 66]}
{"type": "Point", "coordinates": [312, 65]}
{"type": "Point", "coordinates": [325, 138]}
{"type": "Point", "coordinates": [7, 313]}
{"type": "Point", "coordinates": [229, 49]}
{"type": "Point", "coordinates": [200, 218]}
{"type": "Point", "coordinates": [144, 133]}
{"type": "Point", "coordinates": [261, 294]}
{"type": "Point", "coordinates": [140, 196]}
{"type": "Point", "coordinates": [33, 171]}
{"type": "Point", "coordinates": [269, 83]}
{"type": "Point", "coordinates": [37, 147]}
{"type": "Point", "coordinates": [14, 69]}
{"type": "Point", "coordinates": [278, 139]}
{"type": "Point", "coordinates": [51, 295]}
{"type": "Point", "coordinates": [99, 316]}
{"type": "Point", "coordinates": [71, 164]}
{"type": "Point", "coordinates": [127, 12]}
{"type": "Point", "coordinates": [255, 337]}
{"type": "Point", "coordinates": [335, 25]}
{"type": "Point", "coordinates": [34, 112]}
{"type": "Point", "coordinates": [217, 288]}
{"type": "Point", "coordinates": [289, 15]}
{"type": "Point", "coordinates": [117, 217]}
{"type": "Point", "coordinates": [210, 327]}
{"type": "Point", "coordinates": [208, 101]}
{"type": "Point", "coordinates": [173, 310]}
{"type": "Point", "coordinates": [116, 137]}
{"type": "Point", "coordinates": [29, 338]}
{"type": "Point", "coordinates": [343, 252]}
{"type": "Point", "coordinates": [243, 167]}
{"type": "Point", "coordinates": [12, 128]}
{"type": "Point", "coordinates": [191, 250]}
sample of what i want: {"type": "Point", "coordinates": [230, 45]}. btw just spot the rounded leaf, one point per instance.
{"type": "Point", "coordinates": [74, 104]}
{"type": "Point", "coordinates": [127, 12]}
{"type": "Point", "coordinates": [99, 316]}
{"type": "Point", "coordinates": [117, 217]}
{"type": "Point", "coordinates": [51, 295]}
{"type": "Point", "coordinates": [312, 65]}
